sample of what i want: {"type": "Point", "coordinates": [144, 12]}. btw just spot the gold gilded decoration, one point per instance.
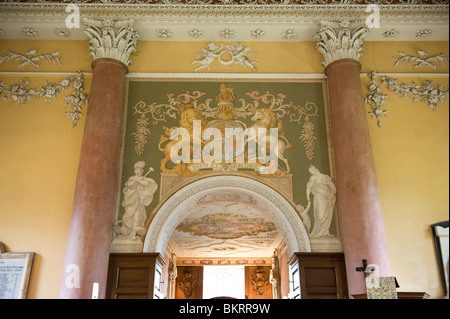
{"type": "Point", "coordinates": [200, 146]}
{"type": "Point", "coordinates": [188, 283]}
{"type": "Point", "coordinates": [188, 116]}
{"type": "Point", "coordinates": [260, 282]}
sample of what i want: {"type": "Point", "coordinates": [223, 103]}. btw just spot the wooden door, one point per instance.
{"type": "Point", "coordinates": [132, 276]}
{"type": "Point", "coordinates": [318, 276]}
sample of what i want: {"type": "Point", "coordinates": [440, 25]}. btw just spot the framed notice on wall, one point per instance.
{"type": "Point", "coordinates": [15, 270]}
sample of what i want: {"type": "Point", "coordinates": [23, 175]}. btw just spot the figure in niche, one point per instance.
{"type": "Point", "coordinates": [303, 212]}
{"type": "Point", "coordinates": [138, 193]}
{"type": "Point", "coordinates": [324, 191]}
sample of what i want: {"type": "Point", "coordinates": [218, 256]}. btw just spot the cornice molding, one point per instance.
{"type": "Point", "coordinates": [242, 2]}
{"type": "Point", "coordinates": [312, 11]}
{"type": "Point", "coordinates": [203, 22]}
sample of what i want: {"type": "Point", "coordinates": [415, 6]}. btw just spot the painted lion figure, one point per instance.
{"type": "Point", "coordinates": [188, 115]}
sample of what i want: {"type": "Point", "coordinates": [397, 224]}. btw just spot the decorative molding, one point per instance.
{"type": "Point", "coordinates": [227, 33]}
{"type": "Point", "coordinates": [288, 34]}
{"type": "Point", "coordinates": [246, 2]}
{"type": "Point", "coordinates": [311, 10]}
{"type": "Point", "coordinates": [111, 39]}
{"type": "Point", "coordinates": [242, 16]}
{"type": "Point", "coordinates": [423, 33]}
{"type": "Point", "coordinates": [391, 33]}
{"type": "Point", "coordinates": [223, 261]}
{"type": "Point", "coordinates": [62, 32]}
{"type": "Point", "coordinates": [340, 40]}
{"type": "Point", "coordinates": [376, 99]}
{"type": "Point", "coordinates": [425, 92]}
{"type": "Point", "coordinates": [164, 33]}
{"type": "Point", "coordinates": [226, 54]}
{"type": "Point", "coordinates": [196, 33]}
{"type": "Point", "coordinates": [258, 33]}
{"type": "Point", "coordinates": [28, 58]}
{"type": "Point", "coordinates": [22, 92]}
{"type": "Point", "coordinates": [30, 32]}
{"type": "Point", "coordinates": [421, 60]}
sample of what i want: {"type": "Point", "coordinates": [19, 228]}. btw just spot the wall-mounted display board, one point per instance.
{"type": "Point", "coordinates": [15, 270]}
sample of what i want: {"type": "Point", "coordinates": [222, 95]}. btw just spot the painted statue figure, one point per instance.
{"type": "Point", "coordinates": [303, 212]}
{"type": "Point", "coordinates": [324, 191]}
{"type": "Point", "coordinates": [138, 193]}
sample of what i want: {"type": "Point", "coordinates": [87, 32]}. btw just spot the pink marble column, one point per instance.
{"type": "Point", "coordinates": [89, 240]}
{"type": "Point", "coordinates": [358, 200]}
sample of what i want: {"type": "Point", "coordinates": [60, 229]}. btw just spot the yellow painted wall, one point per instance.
{"type": "Point", "coordinates": [39, 152]}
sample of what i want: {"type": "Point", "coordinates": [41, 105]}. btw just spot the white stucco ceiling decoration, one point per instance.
{"type": "Point", "coordinates": [213, 22]}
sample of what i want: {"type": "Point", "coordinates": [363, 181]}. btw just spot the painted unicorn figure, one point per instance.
{"type": "Point", "coordinates": [265, 118]}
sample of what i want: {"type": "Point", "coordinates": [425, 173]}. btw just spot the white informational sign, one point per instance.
{"type": "Point", "coordinates": [15, 269]}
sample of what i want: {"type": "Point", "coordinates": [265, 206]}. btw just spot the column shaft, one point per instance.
{"type": "Point", "coordinates": [361, 220]}
{"type": "Point", "coordinates": [89, 237]}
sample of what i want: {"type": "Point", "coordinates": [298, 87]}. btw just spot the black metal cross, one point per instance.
{"type": "Point", "coordinates": [363, 268]}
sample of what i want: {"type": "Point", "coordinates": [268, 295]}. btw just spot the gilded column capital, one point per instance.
{"type": "Point", "coordinates": [340, 40]}
{"type": "Point", "coordinates": [111, 39]}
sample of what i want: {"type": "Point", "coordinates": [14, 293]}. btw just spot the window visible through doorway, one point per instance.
{"type": "Point", "coordinates": [224, 281]}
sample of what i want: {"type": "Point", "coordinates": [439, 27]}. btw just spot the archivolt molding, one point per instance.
{"type": "Point", "coordinates": [172, 212]}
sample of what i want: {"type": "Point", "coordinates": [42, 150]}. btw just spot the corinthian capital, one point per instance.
{"type": "Point", "coordinates": [111, 39]}
{"type": "Point", "coordinates": [340, 40]}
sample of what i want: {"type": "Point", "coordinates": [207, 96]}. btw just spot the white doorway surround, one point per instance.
{"type": "Point", "coordinates": [278, 208]}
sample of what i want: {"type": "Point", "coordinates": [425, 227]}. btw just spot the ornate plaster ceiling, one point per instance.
{"type": "Point", "coordinates": [227, 20]}
{"type": "Point", "coordinates": [226, 223]}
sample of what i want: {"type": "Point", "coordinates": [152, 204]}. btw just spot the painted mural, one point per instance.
{"type": "Point", "coordinates": [274, 130]}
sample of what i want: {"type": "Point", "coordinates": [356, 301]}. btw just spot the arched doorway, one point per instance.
{"type": "Point", "coordinates": [176, 208]}
{"type": "Point", "coordinates": [227, 219]}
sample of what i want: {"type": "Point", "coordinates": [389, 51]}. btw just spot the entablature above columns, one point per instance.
{"type": "Point", "coordinates": [246, 21]}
